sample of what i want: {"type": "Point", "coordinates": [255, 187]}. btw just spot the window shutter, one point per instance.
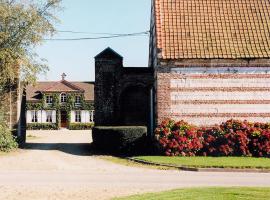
{"type": "Point", "coordinates": [29, 116]}
{"type": "Point", "coordinates": [72, 116]}
{"type": "Point", "coordinates": [83, 116]}
{"type": "Point", "coordinates": [54, 116]}
{"type": "Point", "coordinates": [43, 116]}
{"type": "Point", "coordinates": [87, 116]}
{"type": "Point", "coordinates": [39, 116]}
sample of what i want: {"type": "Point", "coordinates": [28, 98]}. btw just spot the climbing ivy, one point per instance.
{"type": "Point", "coordinates": [56, 105]}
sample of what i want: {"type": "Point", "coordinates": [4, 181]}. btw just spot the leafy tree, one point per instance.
{"type": "Point", "coordinates": [23, 24]}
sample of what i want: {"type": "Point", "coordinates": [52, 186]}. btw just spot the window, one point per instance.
{"type": "Point", "coordinates": [78, 116]}
{"type": "Point", "coordinates": [49, 116]}
{"type": "Point", "coordinates": [77, 100]}
{"type": "Point", "coordinates": [34, 117]}
{"type": "Point", "coordinates": [49, 100]}
{"type": "Point", "coordinates": [63, 98]}
{"type": "Point", "coordinates": [91, 116]}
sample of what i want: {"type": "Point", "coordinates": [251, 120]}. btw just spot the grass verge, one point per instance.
{"type": "Point", "coordinates": [126, 162]}
{"type": "Point", "coordinates": [217, 193]}
{"type": "Point", "coordinates": [211, 162]}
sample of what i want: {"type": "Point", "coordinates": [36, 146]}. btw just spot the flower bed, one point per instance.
{"type": "Point", "coordinates": [231, 138]}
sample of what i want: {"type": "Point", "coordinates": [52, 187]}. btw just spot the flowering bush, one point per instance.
{"type": "Point", "coordinates": [179, 138]}
{"type": "Point", "coordinates": [231, 138]}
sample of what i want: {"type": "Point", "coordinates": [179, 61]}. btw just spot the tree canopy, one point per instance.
{"type": "Point", "coordinates": [23, 26]}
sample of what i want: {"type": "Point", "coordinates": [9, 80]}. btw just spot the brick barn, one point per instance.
{"type": "Point", "coordinates": [211, 60]}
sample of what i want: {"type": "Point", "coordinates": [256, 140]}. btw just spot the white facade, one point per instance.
{"type": "Point", "coordinates": [41, 116]}
{"type": "Point", "coordinates": [83, 116]}
{"type": "Point", "coordinates": [49, 116]}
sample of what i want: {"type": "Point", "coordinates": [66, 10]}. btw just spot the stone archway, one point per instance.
{"type": "Point", "coordinates": [134, 106]}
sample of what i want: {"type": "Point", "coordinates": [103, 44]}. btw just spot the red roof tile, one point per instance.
{"type": "Point", "coordinates": [213, 28]}
{"type": "Point", "coordinates": [33, 92]}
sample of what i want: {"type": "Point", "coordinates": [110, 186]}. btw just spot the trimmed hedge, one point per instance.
{"type": "Point", "coordinates": [120, 139]}
{"type": "Point", "coordinates": [81, 126]}
{"type": "Point", "coordinates": [41, 126]}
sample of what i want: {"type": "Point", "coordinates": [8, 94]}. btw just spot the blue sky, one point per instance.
{"type": "Point", "coordinates": [76, 58]}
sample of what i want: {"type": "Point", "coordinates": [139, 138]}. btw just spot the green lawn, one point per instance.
{"type": "Point", "coordinates": [206, 194]}
{"type": "Point", "coordinates": [217, 162]}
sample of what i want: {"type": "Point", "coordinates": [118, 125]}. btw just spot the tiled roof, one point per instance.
{"type": "Point", "coordinates": [33, 93]}
{"type": "Point", "coordinates": [213, 28]}
{"type": "Point", "coordinates": [63, 86]}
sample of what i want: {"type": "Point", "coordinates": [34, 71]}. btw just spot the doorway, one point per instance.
{"type": "Point", "coordinates": [63, 119]}
{"type": "Point", "coordinates": [134, 106]}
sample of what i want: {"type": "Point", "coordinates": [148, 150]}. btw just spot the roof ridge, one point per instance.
{"type": "Point", "coordinates": [67, 83]}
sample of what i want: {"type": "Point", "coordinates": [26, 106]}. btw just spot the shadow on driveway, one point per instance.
{"type": "Point", "coordinates": [80, 149]}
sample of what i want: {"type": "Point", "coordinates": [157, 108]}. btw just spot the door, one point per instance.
{"type": "Point", "coordinates": [134, 106]}
{"type": "Point", "coordinates": [63, 119]}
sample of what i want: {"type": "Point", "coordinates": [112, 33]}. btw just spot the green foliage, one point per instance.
{"type": "Point", "coordinates": [34, 106]}
{"type": "Point", "coordinates": [81, 126]}
{"type": "Point", "coordinates": [22, 27]}
{"type": "Point", "coordinates": [219, 193]}
{"type": "Point", "coordinates": [120, 139]}
{"type": "Point", "coordinates": [7, 141]}
{"type": "Point", "coordinates": [210, 162]}
{"type": "Point", "coordinates": [43, 126]}
{"type": "Point", "coordinates": [68, 106]}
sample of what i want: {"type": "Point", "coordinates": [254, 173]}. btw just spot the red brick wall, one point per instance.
{"type": "Point", "coordinates": [209, 98]}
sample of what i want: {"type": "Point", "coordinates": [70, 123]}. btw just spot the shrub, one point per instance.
{"type": "Point", "coordinates": [231, 138]}
{"type": "Point", "coordinates": [42, 126]}
{"type": "Point", "coordinates": [179, 138]}
{"type": "Point", "coordinates": [81, 126]}
{"type": "Point", "coordinates": [259, 144]}
{"type": "Point", "coordinates": [119, 139]}
{"type": "Point", "coordinates": [7, 141]}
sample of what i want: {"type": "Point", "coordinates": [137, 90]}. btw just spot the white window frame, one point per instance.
{"type": "Point", "coordinates": [49, 116]}
{"type": "Point", "coordinates": [49, 99]}
{"type": "Point", "coordinates": [34, 116]}
{"type": "Point", "coordinates": [78, 116]}
{"type": "Point", "coordinates": [78, 100]}
{"type": "Point", "coordinates": [63, 97]}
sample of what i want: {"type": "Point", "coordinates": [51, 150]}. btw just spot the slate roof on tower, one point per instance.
{"type": "Point", "coordinates": [213, 28]}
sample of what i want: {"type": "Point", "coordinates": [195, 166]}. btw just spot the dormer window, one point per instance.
{"type": "Point", "coordinates": [49, 100]}
{"type": "Point", "coordinates": [63, 98]}
{"type": "Point", "coordinates": [77, 100]}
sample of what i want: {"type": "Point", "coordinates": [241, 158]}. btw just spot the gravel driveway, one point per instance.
{"type": "Point", "coordinates": [59, 165]}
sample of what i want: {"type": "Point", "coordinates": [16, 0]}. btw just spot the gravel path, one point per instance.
{"type": "Point", "coordinates": [59, 165]}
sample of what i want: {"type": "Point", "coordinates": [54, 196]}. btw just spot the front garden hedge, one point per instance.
{"type": "Point", "coordinates": [231, 138]}
{"type": "Point", "coordinates": [42, 126]}
{"type": "Point", "coordinates": [120, 139]}
{"type": "Point", "coordinates": [80, 126]}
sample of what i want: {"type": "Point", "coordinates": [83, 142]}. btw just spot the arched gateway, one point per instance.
{"type": "Point", "coordinates": [122, 94]}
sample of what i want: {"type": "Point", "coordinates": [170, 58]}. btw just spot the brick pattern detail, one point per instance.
{"type": "Point", "coordinates": [185, 97]}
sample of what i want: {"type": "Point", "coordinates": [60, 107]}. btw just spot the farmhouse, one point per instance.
{"type": "Point", "coordinates": [62, 104]}
{"type": "Point", "coordinates": [209, 61]}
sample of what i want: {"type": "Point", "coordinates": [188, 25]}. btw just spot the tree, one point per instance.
{"type": "Point", "coordinates": [23, 25]}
